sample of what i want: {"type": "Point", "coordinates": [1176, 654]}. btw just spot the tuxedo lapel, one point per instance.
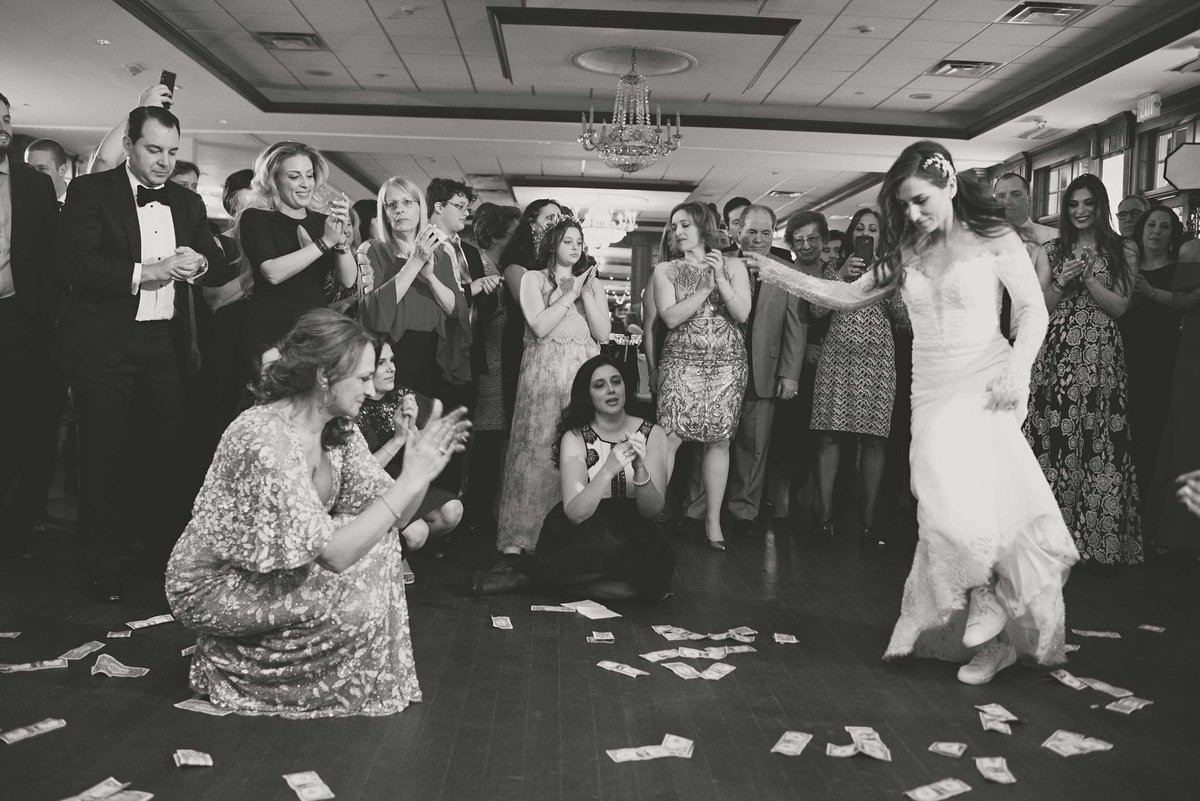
{"type": "Point", "coordinates": [127, 211]}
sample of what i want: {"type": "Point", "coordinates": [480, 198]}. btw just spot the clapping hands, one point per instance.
{"type": "Point", "coordinates": [430, 448]}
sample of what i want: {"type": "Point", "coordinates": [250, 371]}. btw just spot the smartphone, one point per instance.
{"type": "Point", "coordinates": [167, 78]}
{"type": "Point", "coordinates": [864, 248]}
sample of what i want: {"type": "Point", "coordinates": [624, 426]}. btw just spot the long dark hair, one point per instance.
{"type": "Point", "coordinates": [323, 345]}
{"type": "Point", "coordinates": [846, 249]}
{"type": "Point", "coordinates": [1108, 241]}
{"type": "Point", "coordinates": [704, 218]}
{"type": "Point", "coordinates": [547, 252]}
{"type": "Point", "coordinates": [1177, 233]}
{"type": "Point", "coordinates": [522, 248]}
{"type": "Point", "coordinates": [973, 206]}
{"type": "Point", "coordinates": [580, 412]}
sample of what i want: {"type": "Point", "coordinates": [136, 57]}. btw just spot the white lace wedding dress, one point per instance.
{"type": "Point", "coordinates": [984, 509]}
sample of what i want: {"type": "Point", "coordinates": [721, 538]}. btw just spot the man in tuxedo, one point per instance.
{"type": "Point", "coordinates": [132, 244]}
{"type": "Point", "coordinates": [775, 339]}
{"type": "Point", "coordinates": [48, 156]}
{"type": "Point", "coordinates": [28, 306]}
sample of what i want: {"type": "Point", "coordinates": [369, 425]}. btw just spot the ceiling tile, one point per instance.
{"type": "Point", "coordinates": [417, 27]}
{"type": "Point", "coordinates": [801, 95]}
{"type": "Point", "coordinates": [857, 97]}
{"type": "Point", "coordinates": [883, 27]}
{"type": "Point", "coordinates": [906, 9]}
{"type": "Point", "coordinates": [346, 25]}
{"type": "Point", "coordinates": [343, 8]}
{"type": "Point", "coordinates": [369, 58]}
{"type": "Point", "coordinates": [218, 41]}
{"type": "Point", "coordinates": [846, 62]}
{"type": "Point", "coordinates": [204, 21]}
{"type": "Point", "coordinates": [1053, 56]}
{"type": "Point", "coordinates": [473, 29]}
{"type": "Point", "coordinates": [300, 61]}
{"type": "Point", "coordinates": [989, 52]}
{"type": "Point", "coordinates": [912, 67]}
{"type": "Point", "coordinates": [391, 9]}
{"type": "Point", "coordinates": [1010, 34]}
{"type": "Point", "coordinates": [859, 46]}
{"type": "Point", "coordinates": [258, 6]}
{"type": "Point", "coordinates": [1118, 17]}
{"type": "Point", "coordinates": [901, 101]}
{"type": "Point", "coordinates": [802, 8]}
{"type": "Point", "coordinates": [915, 48]}
{"type": "Point", "coordinates": [798, 43]}
{"type": "Point", "coordinates": [341, 43]}
{"type": "Point", "coordinates": [429, 45]}
{"type": "Point", "coordinates": [893, 80]}
{"type": "Point", "coordinates": [383, 78]}
{"type": "Point", "coordinates": [940, 82]}
{"type": "Point", "coordinates": [1081, 37]}
{"type": "Point", "coordinates": [941, 31]}
{"type": "Point", "coordinates": [274, 23]}
{"type": "Point", "coordinates": [813, 77]}
{"type": "Point", "coordinates": [968, 10]}
{"type": "Point", "coordinates": [478, 47]}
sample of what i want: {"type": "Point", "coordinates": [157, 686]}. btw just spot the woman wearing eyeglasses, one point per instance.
{"type": "Point", "coordinates": [415, 301]}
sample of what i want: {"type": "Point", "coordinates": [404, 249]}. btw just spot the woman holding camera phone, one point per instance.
{"type": "Point", "coordinates": [1078, 421]}
{"type": "Point", "coordinates": [855, 386]}
{"type": "Point", "coordinates": [566, 317]}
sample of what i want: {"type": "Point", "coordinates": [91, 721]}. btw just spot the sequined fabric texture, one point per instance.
{"type": "Point", "coordinates": [277, 633]}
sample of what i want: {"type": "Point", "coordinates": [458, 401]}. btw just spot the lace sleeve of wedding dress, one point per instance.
{"type": "Point", "coordinates": [836, 295]}
{"type": "Point", "coordinates": [1029, 316]}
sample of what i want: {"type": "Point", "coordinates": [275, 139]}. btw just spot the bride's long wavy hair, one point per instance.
{"type": "Point", "coordinates": [972, 202]}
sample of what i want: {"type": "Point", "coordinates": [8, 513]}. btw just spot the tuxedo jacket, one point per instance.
{"type": "Point", "coordinates": [776, 337]}
{"type": "Point", "coordinates": [34, 223]}
{"type": "Point", "coordinates": [98, 244]}
{"type": "Point", "coordinates": [484, 307]}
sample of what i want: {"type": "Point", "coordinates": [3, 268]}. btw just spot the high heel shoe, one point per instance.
{"type": "Point", "coordinates": [716, 545]}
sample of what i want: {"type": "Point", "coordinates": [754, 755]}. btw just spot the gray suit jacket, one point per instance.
{"type": "Point", "coordinates": [777, 338]}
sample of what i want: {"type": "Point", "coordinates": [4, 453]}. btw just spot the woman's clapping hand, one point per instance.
{"type": "Point", "coordinates": [430, 448]}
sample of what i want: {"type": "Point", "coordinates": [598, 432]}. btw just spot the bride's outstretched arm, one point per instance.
{"type": "Point", "coordinates": [836, 295]}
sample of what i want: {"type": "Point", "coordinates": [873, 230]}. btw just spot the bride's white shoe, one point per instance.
{"type": "Point", "coordinates": [987, 662]}
{"type": "Point", "coordinates": [985, 617]}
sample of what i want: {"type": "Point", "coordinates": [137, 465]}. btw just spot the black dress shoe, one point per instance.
{"type": "Point", "coordinates": [106, 590]}
{"type": "Point", "coordinates": [745, 528]}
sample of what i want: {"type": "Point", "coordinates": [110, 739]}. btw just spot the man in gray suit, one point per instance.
{"type": "Point", "coordinates": [775, 339]}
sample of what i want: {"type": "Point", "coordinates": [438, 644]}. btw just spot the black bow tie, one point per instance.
{"type": "Point", "coordinates": [147, 195]}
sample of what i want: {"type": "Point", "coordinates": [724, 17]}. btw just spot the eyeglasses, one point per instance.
{"type": "Point", "coordinates": [463, 208]}
{"type": "Point", "coordinates": [1129, 215]}
{"type": "Point", "coordinates": [811, 241]}
{"type": "Point", "coordinates": [405, 204]}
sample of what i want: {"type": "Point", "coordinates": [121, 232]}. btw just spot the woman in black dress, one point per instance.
{"type": "Point", "coordinates": [601, 540]}
{"type": "Point", "coordinates": [291, 248]}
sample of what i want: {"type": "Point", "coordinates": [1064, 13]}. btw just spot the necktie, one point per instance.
{"type": "Point", "coordinates": [146, 195]}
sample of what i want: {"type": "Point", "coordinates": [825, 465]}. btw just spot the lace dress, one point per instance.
{"type": "Point", "coordinates": [703, 369]}
{"type": "Point", "coordinates": [279, 634]}
{"type": "Point", "coordinates": [1078, 422]}
{"type": "Point", "coordinates": [984, 509]}
{"type": "Point", "coordinates": [531, 485]}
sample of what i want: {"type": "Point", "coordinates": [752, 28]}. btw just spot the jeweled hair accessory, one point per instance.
{"type": "Point", "coordinates": [940, 163]}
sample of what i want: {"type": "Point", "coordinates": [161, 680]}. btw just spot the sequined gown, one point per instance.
{"type": "Point", "coordinates": [1078, 422]}
{"type": "Point", "coordinates": [530, 483]}
{"type": "Point", "coordinates": [277, 633]}
{"type": "Point", "coordinates": [703, 369]}
{"type": "Point", "coordinates": [984, 509]}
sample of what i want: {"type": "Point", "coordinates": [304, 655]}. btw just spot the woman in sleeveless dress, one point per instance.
{"type": "Point", "coordinates": [703, 298]}
{"type": "Point", "coordinates": [1078, 422]}
{"type": "Point", "coordinates": [993, 551]}
{"type": "Point", "coordinates": [600, 541]}
{"type": "Point", "coordinates": [566, 316]}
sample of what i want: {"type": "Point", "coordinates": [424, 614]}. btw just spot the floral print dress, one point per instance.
{"type": "Point", "coordinates": [1078, 424]}
{"type": "Point", "coordinates": [278, 633]}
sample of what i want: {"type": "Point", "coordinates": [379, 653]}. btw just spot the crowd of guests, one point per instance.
{"type": "Point", "coordinates": [321, 373]}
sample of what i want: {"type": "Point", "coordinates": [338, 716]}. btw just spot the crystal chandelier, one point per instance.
{"type": "Point", "coordinates": [601, 229]}
{"type": "Point", "coordinates": [632, 143]}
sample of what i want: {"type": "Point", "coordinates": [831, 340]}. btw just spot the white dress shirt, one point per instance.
{"type": "Point", "coordinates": [158, 242]}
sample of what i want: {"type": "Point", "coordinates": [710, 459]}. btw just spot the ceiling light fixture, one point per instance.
{"type": "Point", "coordinates": [921, 96]}
{"type": "Point", "coordinates": [602, 230]}
{"type": "Point", "coordinates": [633, 143]}
{"type": "Point", "coordinates": [103, 42]}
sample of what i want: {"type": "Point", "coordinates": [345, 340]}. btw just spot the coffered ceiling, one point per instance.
{"type": "Point", "coordinates": [811, 97]}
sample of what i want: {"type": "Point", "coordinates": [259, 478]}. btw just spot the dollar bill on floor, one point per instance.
{"type": "Point", "coordinates": [1070, 648]}
{"type": "Point", "coordinates": [130, 795]}
{"type": "Point", "coordinates": [785, 639]}
{"type": "Point", "coordinates": [792, 743]}
{"type": "Point", "coordinates": [1106, 688]}
{"type": "Point", "coordinates": [9, 635]}
{"type": "Point", "coordinates": [639, 754]}
{"type": "Point", "coordinates": [187, 758]}
{"type": "Point", "coordinates": [1069, 680]}
{"type": "Point", "coordinates": [593, 640]}
{"type": "Point", "coordinates": [191, 649]}
{"type": "Point", "coordinates": [955, 750]}
{"type": "Point", "coordinates": [869, 742]}
{"type": "Point", "coordinates": [1155, 629]}
{"type": "Point", "coordinates": [717, 671]}
{"type": "Point", "coordinates": [592, 610]}
{"type": "Point", "coordinates": [501, 622]}
{"type": "Point", "coordinates": [32, 730]}
{"type": "Point", "coordinates": [1108, 635]}
{"type": "Point", "coordinates": [993, 723]}
{"type": "Point", "coordinates": [26, 667]}
{"type": "Point", "coordinates": [103, 790]}
{"type": "Point", "coordinates": [682, 669]}
{"type": "Point", "coordinates": [157, 620]}
{"type": "Point", "coordinates": [308, 786]}
{"type": "Point", "coordinates": [946, 788]}
{"type": "Point", "coordinates": [1128, 705]}
{"type": "Point", "coordinates": [998, 712]}
{"type": "Point", "coordinates": [659, 656]}
{"type": "Point", "coordinates": [550, 608]}
{"type": "Point", "coordinates": [111, 667]}
{"type": "Point", "coordinates": [995, 769]}
{"type": "Point", "coordinates": [1069, 743]}
{"type": "Point", "coordinates": [123, 634]}
{"type": "Point", "coordinates": [740, 649]}
{"type": "Point", "coordinates": [841, 751]}
{"type": "Point", "coordinates": [623, 669]}
{"type": "Point", "coordinates": [677, 746]}
{"type": "Point", "coordinates": [202, 706]}
{"type": "Point", "coordinates": [82, 651]}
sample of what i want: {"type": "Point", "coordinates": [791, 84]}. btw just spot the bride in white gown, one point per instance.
{"type": "Point", "coordinates": [993, 552]}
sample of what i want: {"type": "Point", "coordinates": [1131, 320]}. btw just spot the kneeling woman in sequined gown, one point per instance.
{"type": "Point", "coordinates": [289, 570]}
{"type": "Point", "coordinates": [994, 551]}
{"type": "Point", "coordinates": [600, 541]}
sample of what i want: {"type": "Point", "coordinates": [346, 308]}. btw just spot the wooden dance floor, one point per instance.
{"type": "Point", "coordinates": [527, 714]}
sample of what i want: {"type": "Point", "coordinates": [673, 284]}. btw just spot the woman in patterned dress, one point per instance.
{"type": "Point", "coordinates": [566, 316]}
{"type": "Point", "coordinates": [600, 541]}
{"type": "Point", "coordinates": [855, 386]}
{"type": "Point", "coordinates": [289, 570]}
{"type": "Point", "coordinates": [703, 298]}
{"type": "Point", "coordinates": [1078, 424]}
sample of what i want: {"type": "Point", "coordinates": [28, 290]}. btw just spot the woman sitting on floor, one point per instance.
{"type": "Point", "coordinates": [289, 570]}
{"type": "Point", "coordinates": [601, 540]}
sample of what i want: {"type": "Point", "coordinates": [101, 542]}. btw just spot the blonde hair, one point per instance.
{"type": "Point", "coordinates": [390, 238]}
{"type": "Point", "coordinates": [270, 162]}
